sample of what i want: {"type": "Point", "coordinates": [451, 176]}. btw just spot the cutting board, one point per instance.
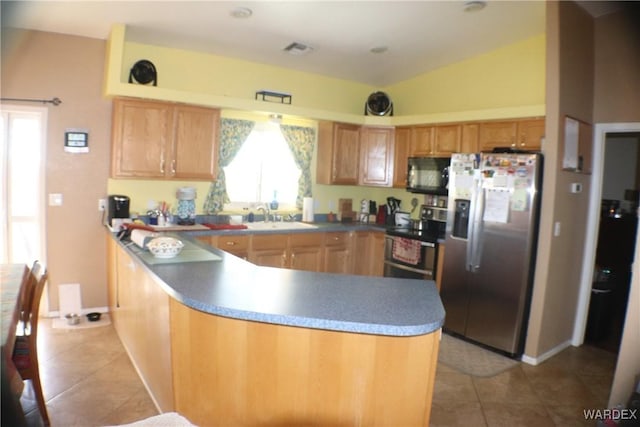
{"type": "Point", "coordinates": [195, 227]}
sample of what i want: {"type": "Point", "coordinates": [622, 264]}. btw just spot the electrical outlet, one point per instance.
{"type": "Point", "coordinates": [102, 204]}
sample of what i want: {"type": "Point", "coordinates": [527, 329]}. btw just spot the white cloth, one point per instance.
{"type": "Point", "coordinates": [168, 419]}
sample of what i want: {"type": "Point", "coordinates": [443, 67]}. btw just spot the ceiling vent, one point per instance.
{"type": "Point", "coordinates": [296, 48]}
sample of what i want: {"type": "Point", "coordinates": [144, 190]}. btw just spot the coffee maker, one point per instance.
{"type": "Point", "coordinates": [118, 207]}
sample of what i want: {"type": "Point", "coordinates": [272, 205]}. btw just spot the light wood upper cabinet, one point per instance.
{"type": "Point", "coordinates": [141, 136]}
{"type": "Point", "coordinates": [446, 139]}
{"type": "Point", "coordinates": [195, 147]}
{"type": "Point", "coordinates": [435, 141]}
{"type": "Point", "coordinates": [401, 147]}
{"type": "Point", "coordinates": [376, 156]}
{"type": "Point", "coordinates": [520, 134]}
{"type": "Point", "coordinates": [497, 134]}
{"type": "Point", "coordinates": [470, 134]}
{"type": "Point", "coordinates": [353, 155]}
{"type": "Point", "coordinates": [338, 153]}
{"type": "Point", "coordinates": [421, 141]}
{"type": "Point", "coordinates": [152, 139]}
{"type": "Point", "coordinates": [530, 134]}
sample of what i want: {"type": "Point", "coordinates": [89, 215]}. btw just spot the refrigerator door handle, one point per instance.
{"type": "Point", "coordinates": [478, 223]}
{"type": "Point", "coordinates": [471, 228]}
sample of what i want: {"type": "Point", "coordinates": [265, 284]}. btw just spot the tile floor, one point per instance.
{"type": "Point", "coordinates": [88, 381]}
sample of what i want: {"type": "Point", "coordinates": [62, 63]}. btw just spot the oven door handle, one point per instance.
{"type": "Point", "coordinates": [414, 270]}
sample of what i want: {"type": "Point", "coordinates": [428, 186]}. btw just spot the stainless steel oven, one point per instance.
{"type": "Point", "coordinates": [409, 258]}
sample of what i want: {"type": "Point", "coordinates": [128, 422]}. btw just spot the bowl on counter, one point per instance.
{"type": "Point", "coordinates": [165, 247]}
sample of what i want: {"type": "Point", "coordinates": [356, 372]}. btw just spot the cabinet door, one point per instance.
{"type": "Point", "coordinates": [195, 147]}
{"type": "Point", "coordinates": [269, 250]}
{"type": "Point", "coordinates": [376, 253]}
{"type": "Point", "coordinates": [306, 258]}
{"type": "Point", "coordinates": [337, 253]}
{"type": "Point", "coordinates": [141, 134]}
{"type": "Point", "coordinates": [346, 152]}
{"type": "Point", "coordinates": [376, 160]}
{"type": "Point", "coordinates": [497, 134]}
{"type": "Point", "coordinates": [269, 257]}
{"type": "Point", "coordinates": [401, 147]}
{"type": "Point", "coordinates": [305, 251]}
{"type": "Point", "coordinates": [530, 134]}
{"type": "Point", "coordinates": [421, 141]}
{"type": "Point", "coordinates": [470, 135]}
{"type": "Point", "coordinates": [360, 242]}
{"type": "Point", "coordinates": [446, 140]}
{"type": "Point", "coordinates": [337, 259]}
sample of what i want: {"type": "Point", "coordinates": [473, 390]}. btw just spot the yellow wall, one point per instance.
{"type": "Point", "coordinates": [508, 82]}
{"type": "Point", "coordinates": [512, 76]}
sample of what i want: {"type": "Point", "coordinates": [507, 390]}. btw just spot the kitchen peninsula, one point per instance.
{"type": "Point", "coordinates": [226, 342]}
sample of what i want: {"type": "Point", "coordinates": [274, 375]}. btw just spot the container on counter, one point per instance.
{"type": "Point", "coordinates": [186, 210]}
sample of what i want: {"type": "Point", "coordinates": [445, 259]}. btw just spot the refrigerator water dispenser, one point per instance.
{"type": "Point", "coordinates": [461, 218]}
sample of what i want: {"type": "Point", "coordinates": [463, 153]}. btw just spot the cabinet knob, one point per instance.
{"type": "Point", "coordinates": [173, 167]}
{"type": "Point", "coordinates": [336, 238]}
{"type": "Point", "coordinates": [231, 243]}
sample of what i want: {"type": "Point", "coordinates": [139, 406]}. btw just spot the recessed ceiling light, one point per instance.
{"type": "Point", "coordinates": [379, 49]}
{"type": "Point", "coordinates": [474, 5]}
{"type": "Point", "coordinates": [241, 12]}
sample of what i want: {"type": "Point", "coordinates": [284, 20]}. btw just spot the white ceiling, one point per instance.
{"type": "Point", "coordinates": [420, 35]}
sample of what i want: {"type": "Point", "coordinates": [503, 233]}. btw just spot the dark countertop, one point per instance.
{"type": "Point", "coordinates": [235, 288]}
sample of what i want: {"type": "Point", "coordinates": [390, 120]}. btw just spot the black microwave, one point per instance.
{"type": "Point", "coordinates": [428, 175]}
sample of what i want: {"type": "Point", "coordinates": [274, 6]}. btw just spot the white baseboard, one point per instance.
{"type": "Point", "coordinates": [83, 311]}
{"type": "Point", "coordinates": [549, 354]}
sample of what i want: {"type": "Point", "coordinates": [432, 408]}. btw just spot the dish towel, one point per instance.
{"type": "Point", "coordinates": [406, 250]}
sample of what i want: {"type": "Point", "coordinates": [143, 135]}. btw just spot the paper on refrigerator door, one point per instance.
{"type": "Point", "coordinates": [496, 206]}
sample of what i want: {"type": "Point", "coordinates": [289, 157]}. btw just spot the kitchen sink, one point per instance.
{"type": "Point", "coordinates": [279, 225]}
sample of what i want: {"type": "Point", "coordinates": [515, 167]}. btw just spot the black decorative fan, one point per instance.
{"type": "Point", "coordinates": [143, 72]}
{"type": "Point", "coordinates": [378, 104]}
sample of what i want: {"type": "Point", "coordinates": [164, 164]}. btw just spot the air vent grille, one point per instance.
{"type": "Point", "coordinates": [297, 48]}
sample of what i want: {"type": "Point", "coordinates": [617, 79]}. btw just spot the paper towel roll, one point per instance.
{"type": "Point", "coordinates": [307, 209]}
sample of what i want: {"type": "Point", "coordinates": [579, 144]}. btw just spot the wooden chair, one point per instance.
{"type": "Point", "coordinates": [25, 353]}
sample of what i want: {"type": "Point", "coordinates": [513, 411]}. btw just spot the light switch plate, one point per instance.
{"type": "Point", "coordinates": [55, 199]}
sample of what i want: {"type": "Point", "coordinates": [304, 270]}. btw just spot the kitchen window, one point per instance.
{"type": "Point", "coordinates": [263, 170]}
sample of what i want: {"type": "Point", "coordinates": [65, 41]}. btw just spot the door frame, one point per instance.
{"type": "Point", "coordinates": [593, 222]}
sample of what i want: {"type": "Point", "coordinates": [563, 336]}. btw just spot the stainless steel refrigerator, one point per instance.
{"type": "Point", "coordinates": [490, 241]}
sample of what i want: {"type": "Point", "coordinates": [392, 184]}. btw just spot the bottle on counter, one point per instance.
{"type": "Point", "coordinates": [274, 203]}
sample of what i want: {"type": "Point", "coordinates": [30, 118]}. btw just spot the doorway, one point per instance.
{"type": "Point", "coordinates": [616, 241]}
{"type": "Point", "coordinates": [605, 185]}
{"type": "Point", "coordinates": [22, 224]}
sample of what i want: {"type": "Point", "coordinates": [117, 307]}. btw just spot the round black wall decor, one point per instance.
{"type": "Point", "coordinates": [378, 104]}
{"type": "Point", "coordinates": [143, 72]}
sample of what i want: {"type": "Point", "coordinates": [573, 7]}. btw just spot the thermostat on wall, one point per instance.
{"type": "Point", "coordinates": [76, 141]}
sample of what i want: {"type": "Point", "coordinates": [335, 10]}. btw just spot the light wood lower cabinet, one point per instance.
{"type": "Point", "coordinates": [218, 371]}
{"type": "Point", "coordinates": [356, 252]}
{"type": "Point", "coordinates": [337, 253]}
{"type": "Point", "coordinates": [237, 245]}
{"type": "Point", "coordinates": [140, 316]}
{"type": "Point", "coordinates": [302, 251]}
{"type": "Point", "coordinates": [241, 373]}
{"type": "Point", "coordinates": [368, 253]}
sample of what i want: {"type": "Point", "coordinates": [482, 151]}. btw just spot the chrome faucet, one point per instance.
{"type": "Point", "coordinates": [265, 209]}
